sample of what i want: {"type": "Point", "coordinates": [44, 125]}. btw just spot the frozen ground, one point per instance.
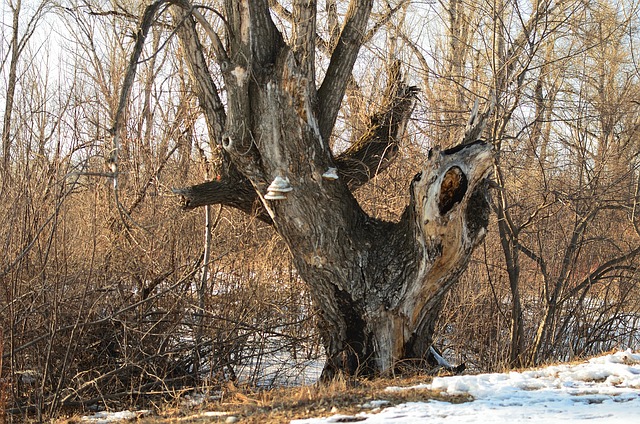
{"type": "Point", "coordinates": [602, 390]}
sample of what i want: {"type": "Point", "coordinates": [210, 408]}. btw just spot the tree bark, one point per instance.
{"type": "Point", "coordinates": [378, 285]}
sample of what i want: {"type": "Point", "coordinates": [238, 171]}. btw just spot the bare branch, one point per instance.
{"type": "Point", "coordinates": [141, 36]}
{"type": "Point", "coordinates": [598, 273]}
{"type": "Point", "coordinates": [304, 34]}
{"type": "Point", "coordinates": [343, 58]}
{"type": "Point", "coordinates": [377, 147]}
{"type": "Point", "coordinates": [218, 48]}
{"type": "Point", "coordinates": [205, 88]}
{"type": "Point", "coordinates": [384, 20]}
{"type": "Point", "coordinates": [238, 194]}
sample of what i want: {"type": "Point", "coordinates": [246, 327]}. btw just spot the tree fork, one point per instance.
{"type": "Point", "coordinates": [367, 157]}
{"type": "Point", "coordinates": [378, 285]}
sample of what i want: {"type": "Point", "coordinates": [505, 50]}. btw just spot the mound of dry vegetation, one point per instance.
{"type": "Point", "coordinates": [280, 405]}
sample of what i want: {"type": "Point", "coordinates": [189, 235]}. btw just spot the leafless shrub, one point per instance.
{"type": "Point", "coordinates": [102, 309]}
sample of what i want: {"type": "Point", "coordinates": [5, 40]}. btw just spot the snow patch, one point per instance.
{"type": "Point", "coordinates": [113, 417]}
{"type": "Point", "coordinates": [602, 390]}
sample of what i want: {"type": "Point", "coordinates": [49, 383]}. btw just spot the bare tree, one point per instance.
{"type": "Point", "coordinates": [19, 40]}
{"type": "Point", "coordinates": [565, 209]}
{"type": "Point", "coordinates": [378, 285]}
{"type": "Point", "coordinates": [117, 295]}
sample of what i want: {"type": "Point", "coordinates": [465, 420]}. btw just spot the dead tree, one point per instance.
{"type": "Point", "coordinates": [378, 285]}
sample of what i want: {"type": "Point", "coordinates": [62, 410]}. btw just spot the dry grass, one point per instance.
{"type": "Point", "coordinates": [347, 397]}
{"type": "Point", "coordinates": [280, 405]}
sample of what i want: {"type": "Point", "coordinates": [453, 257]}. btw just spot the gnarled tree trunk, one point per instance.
{"type": "Point", "coordinates": [378, 285]}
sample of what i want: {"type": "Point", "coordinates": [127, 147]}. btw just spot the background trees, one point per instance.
{"type": "Point", "coordinates": [102, 296]}
{"type": "Point", "coordinates": [558, 96]}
